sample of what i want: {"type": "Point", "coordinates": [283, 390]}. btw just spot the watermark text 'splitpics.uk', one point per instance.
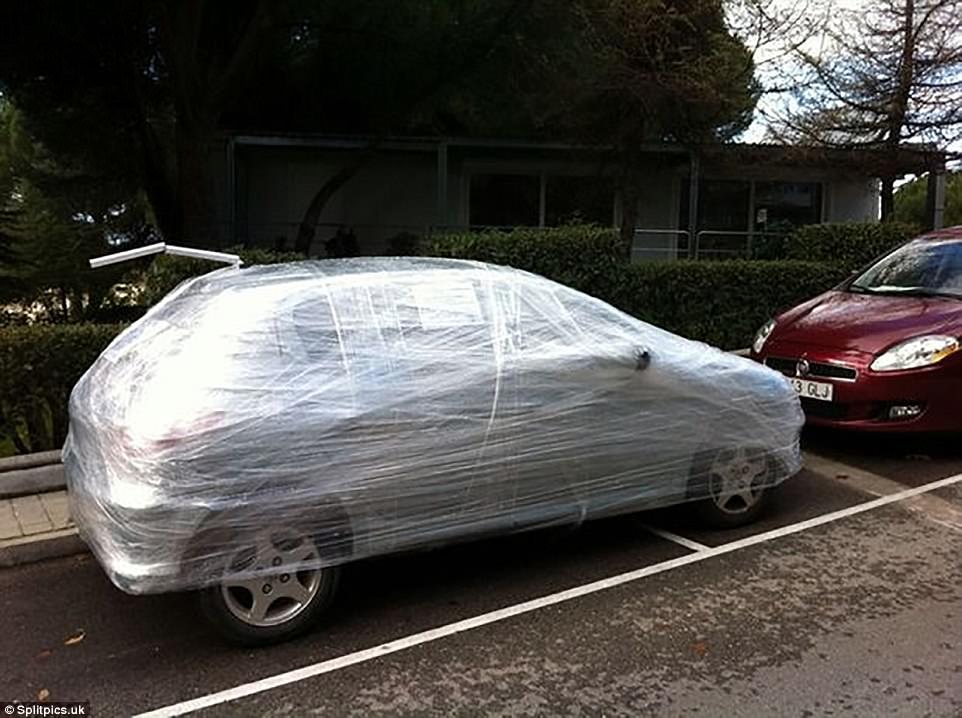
{"type": "Point", "coordinates": [39, 709]}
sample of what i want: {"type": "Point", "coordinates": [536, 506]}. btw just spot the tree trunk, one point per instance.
{"type": "Point", "coordinates": [630, 194]}
{"type": "Point", "coordinates": [629, 215]}
{"type": "Point", "coordinates": [159, 178]}
{"type": "Point", "coordinates": [308, 226]}
{"type": "Point", "coordinates": [159, 182]}
{"type": "Point", "coordinates": [899, 106]}
{"type": "Point", "coordinates": [64, 304]}
{"type": "Point", "coordinates": [195, 223]}
{"type": "Point", "coordinates": [888, 198]}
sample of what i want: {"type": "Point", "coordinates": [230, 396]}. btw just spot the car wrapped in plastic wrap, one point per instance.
{"type": "Point", "coordinates": [385, 404]}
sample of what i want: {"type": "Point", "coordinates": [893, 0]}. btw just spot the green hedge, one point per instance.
{"type": "Point", "coordinates": [847, 245]}
{"type": "Point", "coordinates": [721, 303]}
{"type": "Point", "coordinates": [39, 364]}
{"type": "Point", "coordinates": [563, 251]}
{"type": "Point", "coordinates": [166, 271]}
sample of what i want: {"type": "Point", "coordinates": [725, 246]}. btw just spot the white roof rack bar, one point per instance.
{"type": "Point", "coordinates": [204, 254]}
{"type": "Point", "coordinates": [163, 248]}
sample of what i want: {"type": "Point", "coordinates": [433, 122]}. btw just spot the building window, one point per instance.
{"type": "Point", "coordinates": [796, 203]}
{"type": "Point", "coordinates": [722, 205]}
{"type": "Point", "coordinates": [500, 200]}
{"type": "Point", "coordinates": [573, 200]}
{"type": "Point", "coordinates": [506, 200]}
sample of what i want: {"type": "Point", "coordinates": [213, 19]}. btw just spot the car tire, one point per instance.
{"type": "Point", "coordinates": [732, 487]}
{"type": "Point", "coordinates": [274, 607]}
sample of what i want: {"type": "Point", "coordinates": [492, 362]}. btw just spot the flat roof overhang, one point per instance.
{"type": "Point", "coordinates": [870, 160]}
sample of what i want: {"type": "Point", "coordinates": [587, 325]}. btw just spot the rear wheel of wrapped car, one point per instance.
{"type": "Point", "coordinates": [736, 483]}
{"type": "Point", "coordinates": [272, 588]}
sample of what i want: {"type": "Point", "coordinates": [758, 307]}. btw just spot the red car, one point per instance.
{"type": "Point", "coordinates": [882, 350]}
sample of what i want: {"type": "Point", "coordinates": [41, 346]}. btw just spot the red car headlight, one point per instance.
{"type": "Point", "coordinates": [761, 336]}
{"type": "Point", "coordinates": [917, 352]}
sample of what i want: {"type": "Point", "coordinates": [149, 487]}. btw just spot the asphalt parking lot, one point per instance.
{"type": "Point", "coordinates": [907, 459]}
{"type": "Point", "coordinates": [822, 608]}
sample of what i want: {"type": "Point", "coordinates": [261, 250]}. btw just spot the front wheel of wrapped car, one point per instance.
{"type": "Point", "coordinates": [272, 589]}
{"type": "Point", "coordinates": [736, 484]}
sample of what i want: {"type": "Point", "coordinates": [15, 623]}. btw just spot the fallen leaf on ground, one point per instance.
{"type": "Point", "coordinates": [43, 694]}
{"type": "Point", "coordinates": [75, 639]}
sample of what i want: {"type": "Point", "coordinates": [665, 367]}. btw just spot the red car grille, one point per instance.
{"type": "Point", "coordinates": [788, 367]}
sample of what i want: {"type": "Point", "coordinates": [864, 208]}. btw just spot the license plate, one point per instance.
{"type": "Point", "coordinates": [819, 390]}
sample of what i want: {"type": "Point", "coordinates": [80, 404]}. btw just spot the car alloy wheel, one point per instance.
{"type": "Point", "coordinates": [271, 587]}
{"type": "Point", "coordinates": [737, 480]}
{"type": "Point", "coordinates": [731, 486]}
{"type": "Point", "coordinates": [274, 598]}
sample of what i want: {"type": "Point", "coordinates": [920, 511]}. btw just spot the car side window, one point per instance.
{"type": "Point", "coordinates": [414, 336]}
{"type": "Point", "coordinates": [446, 343]}
{"type": "Point", "coordinates": [529, 321]}
{"type": "Point", "coordinates": [352, 330]}
{"type": "Point", "coordinates": [313, 324]}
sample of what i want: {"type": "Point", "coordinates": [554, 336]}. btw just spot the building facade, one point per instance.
{"type": "Point", "coordinates": [713, 200]}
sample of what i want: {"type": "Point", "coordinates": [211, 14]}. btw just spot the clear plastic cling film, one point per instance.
{"type": "Point", "coordinates": [385, 404]}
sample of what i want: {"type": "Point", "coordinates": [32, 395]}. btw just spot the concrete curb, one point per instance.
{"type": "Point", "coordinates": [31, 474]}
{"type": "Point", "coordinates": [35, 480]}
{"type": "Point", "coordinates": [29, 549]}
{"type": "Point", "coordinates": [29, 461]}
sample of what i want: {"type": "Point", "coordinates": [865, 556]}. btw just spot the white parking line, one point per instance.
{"type": "Point", "coordinates": [680, 540]}
{"type": "Point", "coordinates": [468, 624]}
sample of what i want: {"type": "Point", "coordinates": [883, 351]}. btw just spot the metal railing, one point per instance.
{"type": "Point", "coordinates": [727, 244]}
{"type": "Point", "coordinates": [668, 244]}
{"type": "Point", "coordinates": [660, 244]}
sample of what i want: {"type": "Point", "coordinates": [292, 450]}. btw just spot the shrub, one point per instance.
{"type": "Point", "coordinates": [571, 251]}
{"type": "Point", "coordinates": [911, 200]}
{"type": "Point", "coordinates": [404, 244]}
{"type": "Point", "coordinates": [721, 303]}
{"type": "Point", "coordinates": [39, 364]}
{"type": "Point", "coordinates": [166, 271]}
{"type": "Point", "coordinates": [847, 245]}
{"type": "Point", "coordinates": [771, 243]}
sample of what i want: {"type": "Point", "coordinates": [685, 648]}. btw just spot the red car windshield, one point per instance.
{"type": "Point", "coordinates": [923, 267]}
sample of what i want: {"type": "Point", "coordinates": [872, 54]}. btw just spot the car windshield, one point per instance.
{"type": "Point", "coordinates": [924, 267]}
